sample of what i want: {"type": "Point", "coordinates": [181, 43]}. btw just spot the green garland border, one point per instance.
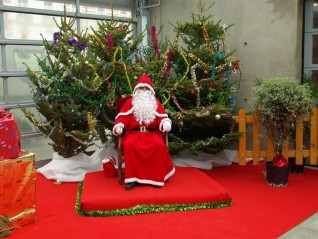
{"type": "Point", "coordinates": [142, 209]}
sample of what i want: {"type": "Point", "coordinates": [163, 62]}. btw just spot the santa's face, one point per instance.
{"type": "Point", "coordinates": [144, 105]}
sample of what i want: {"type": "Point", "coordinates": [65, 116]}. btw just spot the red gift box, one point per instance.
{"type": "Point", "coordinates": [17, 189]}
{"type": "Point", "coordinates": [10, 137]}
{"type": "Point", "coordinates": [109, 167]}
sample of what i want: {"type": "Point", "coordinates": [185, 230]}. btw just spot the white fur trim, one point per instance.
{"type": "Point", "coordinates": [117, 125]}
{"type": "Point", "coordinates": [161, 123]}
{"type": "Point", "coordinates": [124, 113]}
{"type": "Point", "coordinates": [170, 174]}
{"type": "Point", "coordinates": [160, 115]}
{"type": "Point", "coordinates": [151, 182]}
{"type": "Point", "coordinates": [146, 85]}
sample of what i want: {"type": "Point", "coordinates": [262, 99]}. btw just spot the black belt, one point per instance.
{"type": "Point", "coordinates": [142, 129]}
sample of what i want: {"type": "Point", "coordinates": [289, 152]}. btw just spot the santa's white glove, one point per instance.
{"type": "Point", "coordinates": [166, 127]}
{"type": "Point", "coordinates": [119, 130]}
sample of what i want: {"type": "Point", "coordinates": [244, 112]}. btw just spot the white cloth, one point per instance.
{"type": "Point", "coordinates": [73, 169]}
{"type": "Point", "coordinates": [205, 161]}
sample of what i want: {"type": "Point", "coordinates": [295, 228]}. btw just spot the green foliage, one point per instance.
{"type": "Point", "coordinates": [280, 102]}
{"type": "Point", "coordinates": [6, 227]}
{"type": "Point", "coordinates": [66, 92]}
{"type": "Point", "coordinates": [82, 75]}
{"type": "Point", "coordinates": [192, 77]}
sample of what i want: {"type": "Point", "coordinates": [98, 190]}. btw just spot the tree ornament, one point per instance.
{"type": "Point", "coordinates": [217, 116]}
{"type": "Point", "coordinates": [206, 72]}
{"type": "Point", "coordinates": [192, 92]}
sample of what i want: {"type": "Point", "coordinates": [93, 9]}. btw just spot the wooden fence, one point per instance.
{"type": "Point", "coordinates": [256, 153]}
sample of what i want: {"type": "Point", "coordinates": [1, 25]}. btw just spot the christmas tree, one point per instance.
{"type": "Point", "coordinates": [81, 76]}
{"type": "Point", "coordinates": [192, 77]}
{"type": "Point", "coordinates": [67, 76]}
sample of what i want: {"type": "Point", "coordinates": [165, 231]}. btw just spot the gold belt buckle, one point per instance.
{"type": "Point", "coordinates": [143, 129]}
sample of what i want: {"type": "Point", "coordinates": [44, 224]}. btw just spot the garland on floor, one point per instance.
{"type": "Point", "coordinates": [6, 227]}
{"type": "Point", "coordinates": [142, 209]}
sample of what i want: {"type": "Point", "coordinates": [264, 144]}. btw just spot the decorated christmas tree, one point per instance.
{"type": "Point", "coordinates": [67, 76]}
{"type": "Point", "coordinates": [81, 76]}
{"type": "Point", "coordinates": [116, 50]}
{"type": "Point", "coordinates": [192, 78]}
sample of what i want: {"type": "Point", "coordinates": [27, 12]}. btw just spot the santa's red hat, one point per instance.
{"type": "Point", "coordinates": [144, 81]}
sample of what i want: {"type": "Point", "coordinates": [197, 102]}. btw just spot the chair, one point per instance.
{"type": "Point", "coordinates": [120, 150]}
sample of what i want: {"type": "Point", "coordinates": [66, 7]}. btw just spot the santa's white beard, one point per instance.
{"type": "Point", "coordinates": [144, 106]}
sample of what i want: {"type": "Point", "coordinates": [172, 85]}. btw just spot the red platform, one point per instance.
{"type": "Point", "coordinates": [188, 187]}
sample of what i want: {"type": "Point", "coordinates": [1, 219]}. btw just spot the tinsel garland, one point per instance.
{"type": "Point", "coordinates": [195, 83]}
{"type": "Point", "coordinates": [206, 38]}
{"type": "Point", "coordinates": [142, 209]}
{"type": "Point", "coordinates": [154, 41]}
{"type": "Point", "coordinates": [110, 42]}
{"type": "Point", "coordinates": [182, 78]}
{"type": "Point", "coordinates": [6, 227]}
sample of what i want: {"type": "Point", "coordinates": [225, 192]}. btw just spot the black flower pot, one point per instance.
{"type": "Point", "coordinates": [277, 176]}
{"type": "Point", "coordinates": [294, 168]}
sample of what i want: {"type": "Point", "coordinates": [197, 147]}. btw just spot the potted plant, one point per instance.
{"type": "Point", "coordinates": [278, 103]}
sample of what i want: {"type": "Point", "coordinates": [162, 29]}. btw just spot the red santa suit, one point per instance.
{"type": "Point", "coordinates": [147, 159]}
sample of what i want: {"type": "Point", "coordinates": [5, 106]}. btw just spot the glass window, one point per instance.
{"type": "Point", "coordinates": [19, 89]}
{"type": "Point", "coordinates": [93, 8]}
{"type": "Point", "coordinates": [38, 145]}
{"type": "Point", "coordinates": [49, 5]}
{"type": "Point", "coordinates": [315, 14]}
{"type": "Point", "coordinates": [18, 55]}
{"type": "Point", "coordinates": [1, 91]}
{"type": "Point", "coordinates": [314, 74]}
{"type": "Point", "coordinates": [24, 124]}
{"type": "Point", "coordinates": [1, 67]}
{"type": "Point", "coordinates": [28, 26]}
{"type": "Point", "coordinates": [87, 24]}
{"type": "Point", "coordinates": [315, 49]}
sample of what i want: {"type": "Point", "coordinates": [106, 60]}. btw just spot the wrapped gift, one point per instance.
{"type": "Point", "coordinates": [17, 189]}
{"type": "Point", "coordinates": [10, 137]}
{"type": "Point", "coordinates": [109, 167]}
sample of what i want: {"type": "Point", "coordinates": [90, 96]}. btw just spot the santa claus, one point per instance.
{"type": "Point", "coordinates": [143, 119]}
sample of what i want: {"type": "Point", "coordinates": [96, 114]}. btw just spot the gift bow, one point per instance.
{"type": "Point", "coordinates": [280, 161]}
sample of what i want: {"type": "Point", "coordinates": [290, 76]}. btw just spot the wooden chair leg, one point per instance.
{"type": "Point", "coordinates": [120, 163]}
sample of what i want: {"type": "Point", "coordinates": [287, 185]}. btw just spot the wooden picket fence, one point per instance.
{"type": "Point", "coordinates": [256, 153]}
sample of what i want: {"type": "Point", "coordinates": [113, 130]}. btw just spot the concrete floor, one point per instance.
{"type": "Point", "coordinates": [308, 229]}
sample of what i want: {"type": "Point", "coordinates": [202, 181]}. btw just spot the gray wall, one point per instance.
{"type": "Point", "coordinates": [267, 35]}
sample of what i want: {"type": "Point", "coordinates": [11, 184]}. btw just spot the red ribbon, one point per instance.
{"type": "Point", "coordinates": [280, 161]}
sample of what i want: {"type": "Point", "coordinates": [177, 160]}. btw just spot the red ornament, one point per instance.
{"type": "Point", "coordinates": [192, 92]}
{"type": "Point", "coordinates": [206, 72]}
{"type": "Point", "coordinates": [211, 84]}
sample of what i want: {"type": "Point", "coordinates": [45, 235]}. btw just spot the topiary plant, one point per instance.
{"type": "Point", "coordinates": [279, 102]}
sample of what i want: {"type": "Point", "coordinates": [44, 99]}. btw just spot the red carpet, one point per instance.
{"type": "Point", "coordinates": [257, 211]}
{"type": "Point", "coordinates": [188, 189]}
